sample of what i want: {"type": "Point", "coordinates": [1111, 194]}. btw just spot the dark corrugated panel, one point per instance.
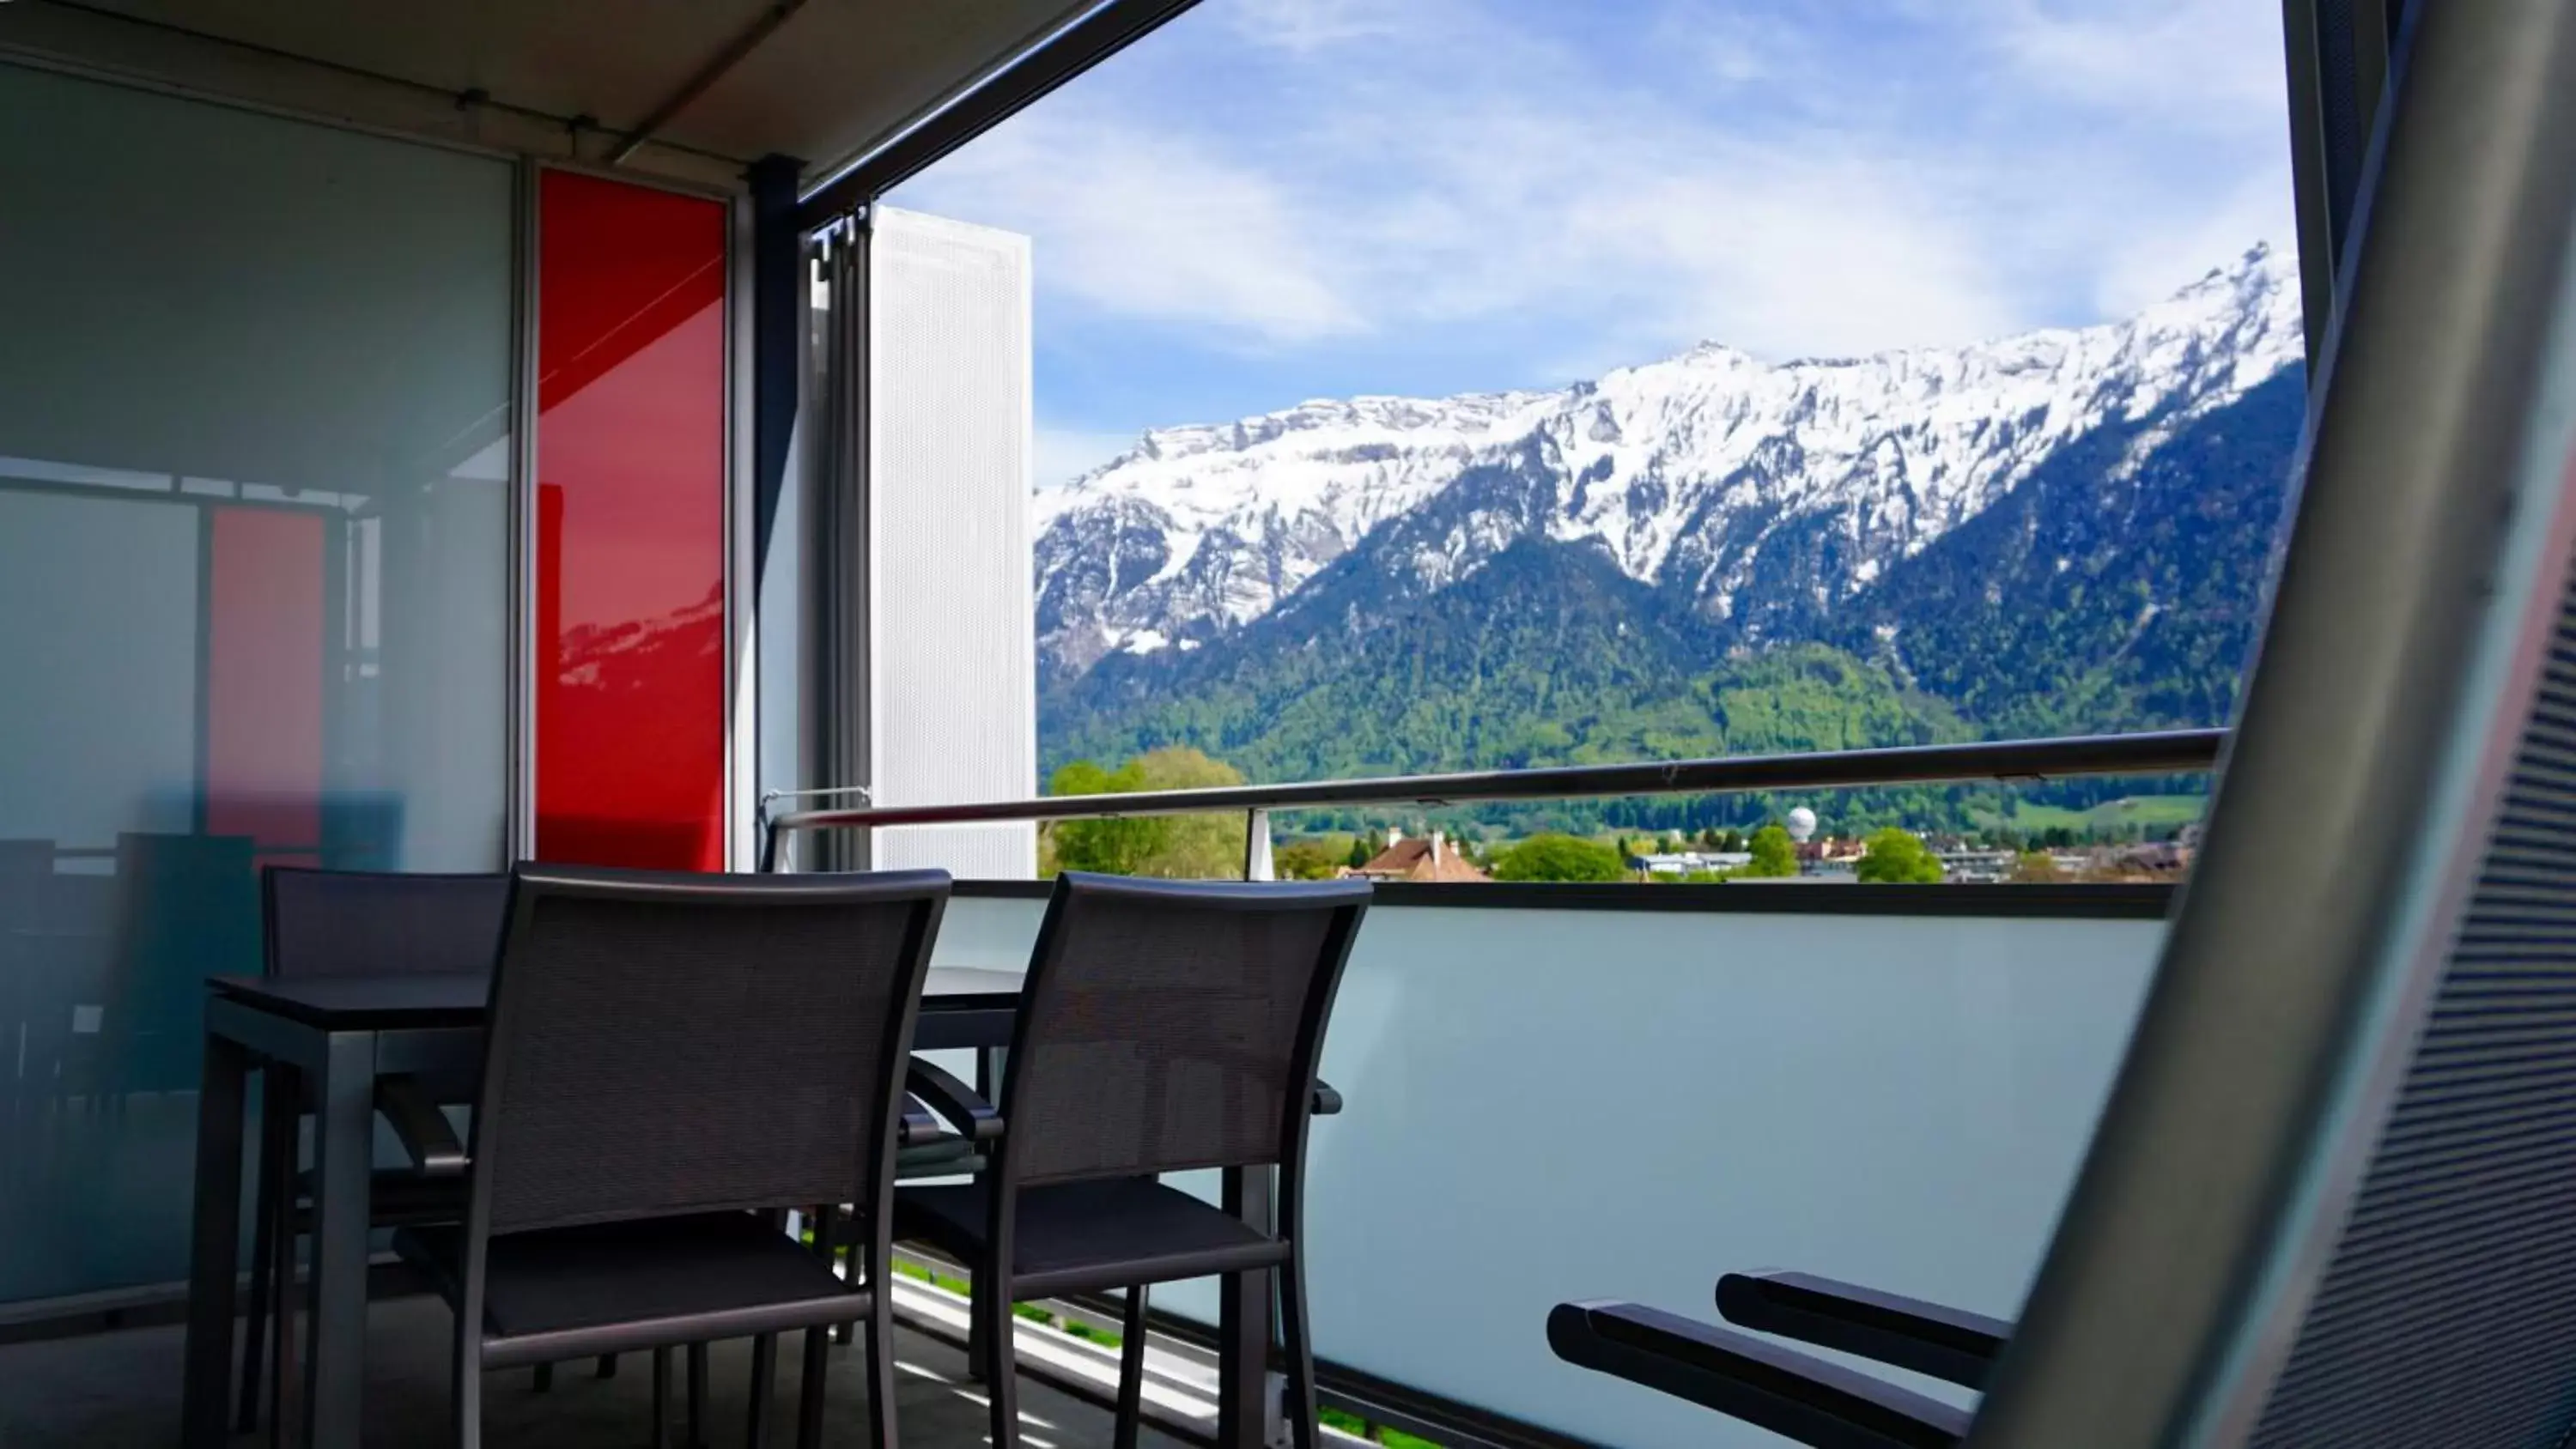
{"type": "Point", "coordinates": [2448, 1314]}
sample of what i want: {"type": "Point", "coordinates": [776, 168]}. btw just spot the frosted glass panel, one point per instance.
{"type": "Point", "coordinates": [254, 521]}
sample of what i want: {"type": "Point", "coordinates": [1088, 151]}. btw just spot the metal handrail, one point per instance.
{"type": "Point", "coordinates": [2156, 753]}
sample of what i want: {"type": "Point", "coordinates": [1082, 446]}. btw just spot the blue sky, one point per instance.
{"type": "Point", "coordinates": [1274, 200]}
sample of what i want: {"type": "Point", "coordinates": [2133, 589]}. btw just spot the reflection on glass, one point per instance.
{"type": "Point", "coordinates": [253, 592]}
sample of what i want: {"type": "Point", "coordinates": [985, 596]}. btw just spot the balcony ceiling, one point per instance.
{"type": "Point", "coordinates": [831, 81]}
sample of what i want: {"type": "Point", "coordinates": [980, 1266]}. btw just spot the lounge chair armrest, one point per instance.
{"type": "Point", "coordinates": [1799, 1397]}
{"type": "Point", "coordinates": [1907, 1333]}
{"type": "Point", "coordinates": [970, 1115]}
{"type": "Point", "coordinates": [426, 1134]}
{"type": "Point", "coordinates": [1327, 1101]}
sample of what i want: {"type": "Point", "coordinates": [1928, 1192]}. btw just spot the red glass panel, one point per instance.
{"type": "Point", "coordinates": [630, 525]}
{"type": "Point", "coordinates": [264, 680]}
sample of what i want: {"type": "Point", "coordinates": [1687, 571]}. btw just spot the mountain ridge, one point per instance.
{"type": "Point", "coordinates": [1763, 494]}
{"type": "Point", "coordinates": [2063, 532]}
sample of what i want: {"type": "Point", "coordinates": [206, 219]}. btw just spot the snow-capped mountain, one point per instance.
{"type": "Point", "coordinates": [1743, 488]}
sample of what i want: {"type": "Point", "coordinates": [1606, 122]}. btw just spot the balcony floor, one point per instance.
{"type": "Point", "coordinates": [112, 1390]}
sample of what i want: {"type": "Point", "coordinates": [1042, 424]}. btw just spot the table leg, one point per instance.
{"type": "Point", "coordinates": [1244, 1401]}
{"type": "Point", "coordinates": [214, 1245]}
{"type": "Point", "coordinates": [344, 1100]}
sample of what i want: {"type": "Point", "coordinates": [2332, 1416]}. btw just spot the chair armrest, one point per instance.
{"type": "Point", "coordinates": [1799, 1397]}
{"type": "Point", "coordinates": [425, 1132]}
{"type": "Point", "coordinates": [1907, 1333]}
{"type": "Point", "coordinates": [1327, 1101]}
{"type": "Point", "coordinates": [972, 1116]}
{"type": "Point", "coordinates": [920, 1128]}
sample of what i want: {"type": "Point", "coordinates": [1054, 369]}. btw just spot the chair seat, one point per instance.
{"type": "Point", "coordinates": [571, 1292]}
{"type": "Point", "coordinates": [1077, 1236]}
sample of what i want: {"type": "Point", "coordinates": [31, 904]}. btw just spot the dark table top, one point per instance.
{"type": "Point", "coordinates": [421, 1002]}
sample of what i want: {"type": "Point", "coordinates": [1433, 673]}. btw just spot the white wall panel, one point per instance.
{"type": "Point", "coordinates": [952, 653]}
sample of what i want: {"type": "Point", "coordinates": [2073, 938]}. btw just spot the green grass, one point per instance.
{"type": "Point", "coordinates": [1334, 1418]}
{"type": "Point", "coordinates": [1089, 1334]}
{"type": "Point", "coordinates": [2145, 811]}
{"type": "Point", "coordinates": [1354, 1425]}
{"type": "Point", "coordinates": [1029, 1311]}
{"type": "Point", "coordinates": [919, 1274]}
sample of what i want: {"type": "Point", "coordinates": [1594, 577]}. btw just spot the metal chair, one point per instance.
{"type": "Point", "coordinates": [345, 923]}
{"type": "Point", "coordinates": [674, 1062]}
{"type": "Point", "coordinates": [1164, 1027]}
{"type": "Point", "coordinates": [2327, 1201]}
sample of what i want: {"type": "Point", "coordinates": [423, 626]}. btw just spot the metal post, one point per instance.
{"type": "Point", "coordinates": [1256, 846]}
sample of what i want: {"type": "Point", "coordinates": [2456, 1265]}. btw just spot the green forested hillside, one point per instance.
{"type": "Point", "coordinates": [2115, 589]}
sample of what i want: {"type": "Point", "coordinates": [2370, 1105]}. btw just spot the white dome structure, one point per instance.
{"type": "Point", "coordinates": [1802, 824]}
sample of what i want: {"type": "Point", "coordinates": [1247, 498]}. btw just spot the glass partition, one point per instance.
{"type": "Point", "coordinates": [254, 597]}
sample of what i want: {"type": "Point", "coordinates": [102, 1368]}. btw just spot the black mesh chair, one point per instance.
{"type": "Point", "coordinates": [1164, 1027]}
{"type": "Point", "coordinates": [675, 1062]}
{"type": "Point", "coordinates": [348, 923]}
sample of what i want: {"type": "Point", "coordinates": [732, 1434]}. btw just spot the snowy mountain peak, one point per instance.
{"type": "Point", "coordinates": [1691, 470]}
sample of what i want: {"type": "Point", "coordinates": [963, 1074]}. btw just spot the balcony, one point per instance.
{"type": "Point", "coordinates": [306, 552]}
{"type": "Point", "coordinates": [1893, 1085]}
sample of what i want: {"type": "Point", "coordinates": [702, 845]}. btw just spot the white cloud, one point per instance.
{"type": "Point", "coordinates": [1619, 184]}
{"type": "Point", "coordinates": [2213, 64]}
{"type": "Point", "coordinates": [1306, 25]}
{"type": "Point", "coordinates": [1146, 224]}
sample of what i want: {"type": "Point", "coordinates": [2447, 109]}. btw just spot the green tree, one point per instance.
{"type": "Point", "coordinates": [1730, 841]}
{"type": "Point", "coordinates": [1560, 857]}
{"type": "Point", "coordinates": [1897, 857]}
{"type": "Point", "coordinates": [1115, 847]}
{"type": "Point", "coordinates": [1365, 848]}
{"type": "Point", "coordinates": [1178, 847]}
{"type": "Point", "coordinates": [2036, 867]}
{"type": "Point", "coordinates": [1194, 847]}
{"type": "Point", "coordinates": [1305, 860]}
{"type": "Point", "coordinates": [1773, 855]}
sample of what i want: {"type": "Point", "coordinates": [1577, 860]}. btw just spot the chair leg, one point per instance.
{"type": "Point", "coordinates": [1001, 1362]}
{"type": "Point", "coordinates": [881, 1428]}
{"type": "Point", "coordinates": [263, 1258]}
{"type": "Point", "coordinates": [697, 1396]}
{"type": "Point", "coordinates": [764, 1383]}
{"type": "Point", "coordinates": [285, 1403]}
{"type": "Point", "coordinates": [465, 1391]}
{"type": "Point", "coordinates": [849, 1257]}
{"type": "Point", "coordinates": [809, 1389]}
{"type": "Point", "coordinates": [1131, 1369]}
{"type": "Point", "coordinates": [827, 1241]}
{"type": "Point", "coordinates": [1300, 1347]}
{"type": "Point", "coordinates": [662, 1398]}
{"type": "Point", "coordinates": [274, 1182]}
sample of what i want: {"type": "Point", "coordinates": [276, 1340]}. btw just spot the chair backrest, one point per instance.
{"type": "Point", "coordinates": [665, 1043]}
{"type": "Point", "coordinates": [2330, 1200]}
{"type": "Point", "coordinates": [1170, 1025]}
{"type": "Point", "coordinates": [377, 923]}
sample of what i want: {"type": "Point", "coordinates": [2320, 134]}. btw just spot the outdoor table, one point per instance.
{"type": "Point", "coordinates": [341, 1032]}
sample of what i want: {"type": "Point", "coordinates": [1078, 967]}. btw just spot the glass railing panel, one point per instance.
{"type": "Point", "coordinates": [1557, 1104]}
